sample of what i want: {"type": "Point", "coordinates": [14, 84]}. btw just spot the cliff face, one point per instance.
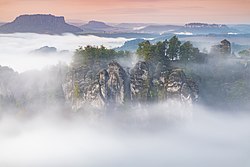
{"type": "Point", "coordinates": [161, 84]}
{"type": "Point", "coordinates": [96, 86]}
{"type": "Point", "coordinates": [113, 86]}
{"type": "Point", "coordinates": [42, 24]}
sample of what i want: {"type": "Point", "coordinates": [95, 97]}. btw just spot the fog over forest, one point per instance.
{"type": "Point", "coordinates": [39, 129]}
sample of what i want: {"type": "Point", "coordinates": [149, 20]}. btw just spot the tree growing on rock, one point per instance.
{"type": "Point", "coordinates": [171, 50]}
{"type": "Point", "coordinates": [188, 53]}
{"type": "Point", "coordinates": [174, 48]}
{"type": "Point", "coordinates": [145, 50]}
{"type": "Point", "coordinates": [91, 54]}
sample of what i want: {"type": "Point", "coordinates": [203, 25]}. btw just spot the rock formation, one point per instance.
{"type": "Point", "coordinates": [96, 86]}
{"type": "Point", "coordinates": [224, 48]}
{"type": "Point", "coordinates": [45, 50]}
{"type": "Point", "coordinates": [42, 24]}
{"type": "Point", "coordinates": [199, 25]}
{"type": "Point", "coordinates": [114, 86]}
{"type": "Point", "coordinates": [100, 86]}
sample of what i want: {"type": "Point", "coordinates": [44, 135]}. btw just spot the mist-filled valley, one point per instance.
{"type": "Point", "coordinates": [76, 100]}
{"type": "Point", "coordinates": [29, 51]}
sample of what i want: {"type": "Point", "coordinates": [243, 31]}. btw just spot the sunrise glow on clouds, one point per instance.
{"type": "Point", "coordinates": [158, 11]}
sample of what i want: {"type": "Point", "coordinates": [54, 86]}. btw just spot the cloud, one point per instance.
{"type": "Point", "coordinates": [16, 48]}
{"type": "Point", "coordinates": [157, 135]}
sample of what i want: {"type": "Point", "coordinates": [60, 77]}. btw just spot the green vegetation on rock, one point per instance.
{"type": "Point", "coordinates": [91, 54]}
{"type": "Point", "coordinates": [171, 50]}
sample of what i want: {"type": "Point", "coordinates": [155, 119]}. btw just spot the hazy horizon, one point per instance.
{"type": "Point", "coordinates": [145, 11]}
{"type": "Point", "coordinates": [82, 22]}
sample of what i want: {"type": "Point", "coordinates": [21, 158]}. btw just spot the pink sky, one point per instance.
{"type": "Point", "coordinates": [157, 11]}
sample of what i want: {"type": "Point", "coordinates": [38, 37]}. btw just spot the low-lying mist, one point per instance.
{"type": "Point", "coordinates": [39, 129]}
{"type": "Point", "coordinates": [166, 134]}
{"type": "Point", "coordinates": [17, 50]}
{"type": "Point", "coordinates": [223, 82]}
{"type": "Point", "coordinates": [239, 42]}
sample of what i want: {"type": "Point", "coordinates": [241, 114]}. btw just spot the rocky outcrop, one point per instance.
{"type": "Point", "coordinates": [223, 49]}
{"type": "Point", "coordinates": [85, 86]}
{"type": "Point", "coordinates": [179, 87]}
{"type": "Point", "coordinates": [100, 86]}
{"type": "Point", "coordinates": [140, 82]}
{"type": "Point", "coordinates": [199, 25]}
{"type": "Point", "coordinates": [162, 84]}
{"type": "Point", "coordinates": [114, 86]}
{"type": "Point", "coordinates": [42, 24]}
{"type": "Point", "coordinates": [204, 28]}
{"type": "Point", "coordinates": [118, 84]}
{"type": "Point", "coordinates": [45, 50]}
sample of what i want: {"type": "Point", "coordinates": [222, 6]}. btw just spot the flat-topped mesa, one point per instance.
{"type": "Point", "coordinates": [115, 87]}
{"type": "Point", "coordinates": [205, 25]}
{"type": "Point", "coordinates": [39, 19]}
{"type": "Point", "coordinates": [39, 23]}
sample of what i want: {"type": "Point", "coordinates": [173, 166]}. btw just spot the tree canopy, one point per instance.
{"type": "Point", "coordinates": [174, 48]}
{"type": "Point", "coordinates": [152, 52]}
{"type": "Point", "coordinates": [171, 50]}
{"type": "Point", "coordinates": [91, 54]}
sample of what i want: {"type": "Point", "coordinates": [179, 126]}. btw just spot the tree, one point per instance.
{"type": "Point", "coordinates": [153, 52]}
{"type": "Point", "coordinates": [90, 55]}
{"type": "Point", "coordinates": [173, 48]}
{"type": "Point", "coordinates": [145, 50]}
{"type": "Point", "coordinates": [160, 51]}
{"type": "Point", "coordinates": [186, 52]}
{"type": "Point", "coordinates": [197, 56]}
{"type": "Point", "coordinates": [169, 50]}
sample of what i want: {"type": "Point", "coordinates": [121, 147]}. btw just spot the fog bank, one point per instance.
{"type": "Point", "coordinates": [156, 135]}
{"type": "Point", "coordinates": [15, 49]}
